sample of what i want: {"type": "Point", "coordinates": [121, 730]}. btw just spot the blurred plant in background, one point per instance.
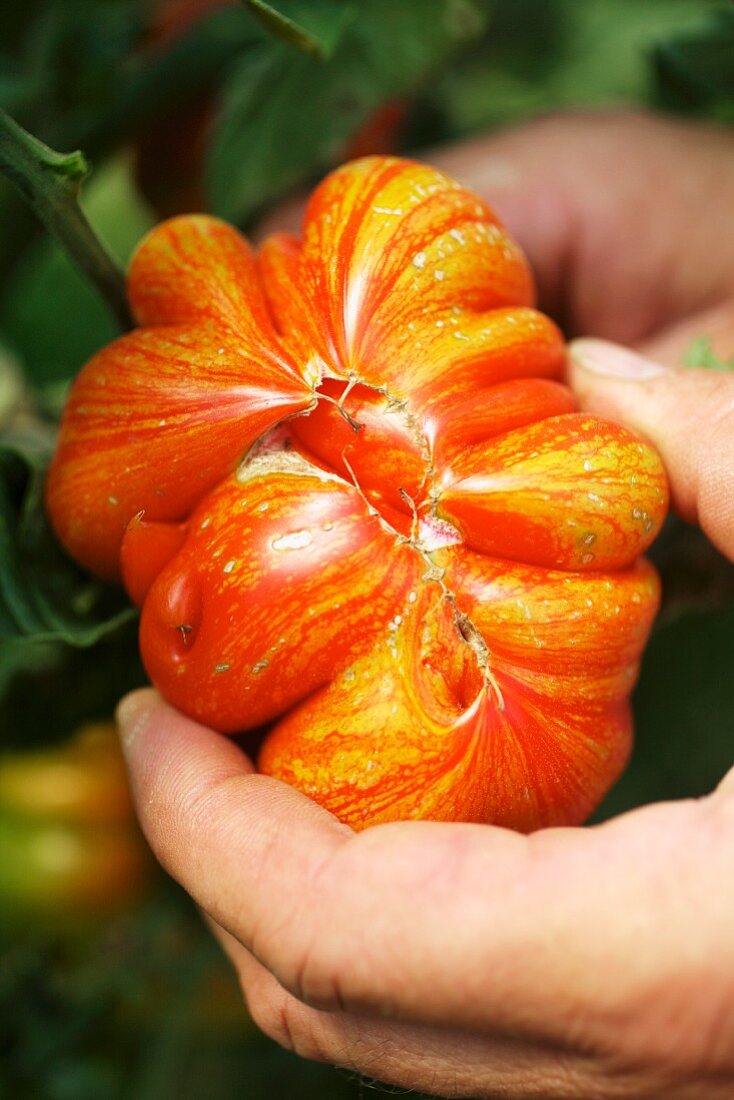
{"type": "Point", "coordinates": [109, 985]}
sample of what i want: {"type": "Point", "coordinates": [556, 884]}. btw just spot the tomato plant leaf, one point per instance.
{"type": "Point", "coordinates": [694, 69]}
{"type": "Point", "coordinates": [44, 597]}
{"type": "Point", "coordinates": [283, 117]}
{"type": "Point", "coordinates": [314, 26]}
{"type": "Point", "coordinates": [700, 353]}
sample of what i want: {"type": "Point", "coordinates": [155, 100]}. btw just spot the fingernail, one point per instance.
{"type": "Point", "coordinates": [132, 715]}
{"type": "Point", "coordinates": [613, 361]}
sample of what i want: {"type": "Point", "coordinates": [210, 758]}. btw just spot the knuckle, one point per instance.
{"type": "Point", "coordinates": [284, 1020]}
{"type": "Point", "coordinates": [270, 1015]}
{"type": "Point", "coordinates": [288, 951]}
{"type": "Point", "coordinates": [298, 964]}
{"type": "Point", "coordinates": [305, 958]}
{"type": "Point", "coordinates": [314, 979]}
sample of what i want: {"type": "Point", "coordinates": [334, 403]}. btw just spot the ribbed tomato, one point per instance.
{"type": "Point", "coordinates": [358, 507]}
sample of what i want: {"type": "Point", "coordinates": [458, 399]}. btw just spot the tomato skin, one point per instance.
{"type": "Point", "coordinates": [569, 492]}
{"type": "Point", "coordinates": [137, 402]}
{"type": "Point", "coordinates": [443, 742]}
{"type": "Point", "coordinates": [280, 570]}
{"type": "Point", "coordinates": [347, 446]}
{"type": "Point", "coordinates": [357, 505]}
{"type": "Point", "coordinates": [69, 845]}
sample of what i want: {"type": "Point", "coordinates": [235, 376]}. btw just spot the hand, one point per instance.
{"type": "Point", "coordinates": [467, 960]}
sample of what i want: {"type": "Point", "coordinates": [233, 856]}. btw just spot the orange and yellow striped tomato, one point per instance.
{"type": "Point", "coordinates": [358, 507]}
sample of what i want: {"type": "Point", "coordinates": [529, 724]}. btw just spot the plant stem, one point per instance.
{"type": "Point", "coordinates": [50, 182]}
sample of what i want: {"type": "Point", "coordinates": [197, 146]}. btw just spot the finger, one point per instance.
{"type": "Point", "coordinates": [265, 862]}
{"type": "Point", "coordinates": [687, 414]}
{"type": "Point", "coordinates": [444, 1061]}
{"type": "Point", "coordinates": [195, 789]}
{"type": "Point", "coordinates": [726, 786]}
{"type": "Point", "coordinates": [383, 922]}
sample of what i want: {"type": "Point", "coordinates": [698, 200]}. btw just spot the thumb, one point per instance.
{"type": "Point", "coordinates": [726, 786]}
{"type": "Point", "coordinates": [687, 414]}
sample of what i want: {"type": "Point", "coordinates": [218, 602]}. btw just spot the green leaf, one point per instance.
{"type": "Point", "coordinates": [154, 79]}
{"type": "Point", "coordinates": [44, 598]}
{"type": "Point", "coordinates": [313, 26]}
{"type": "Point", "coordinates": [555, 56]}
{"type": "Point", "coordinates": [695, 71]}
{"type": "Point", "coordinates": [700, 353]}
{"type": "Point", "coordinates": [282, 118]}
{"type": "Point", "coordinates": [35, 706]}
{"type": "Point", "coordinates": [101, 74]}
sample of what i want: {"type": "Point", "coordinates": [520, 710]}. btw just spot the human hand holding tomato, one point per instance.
{"type": "Point", "coordinates": [469, 960]}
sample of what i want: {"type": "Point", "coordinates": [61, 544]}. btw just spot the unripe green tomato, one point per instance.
{"type": "Point", "coordinates": [69, 845]}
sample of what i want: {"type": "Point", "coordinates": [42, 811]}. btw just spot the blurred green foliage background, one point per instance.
{"type": "Point", "coordinates": [227, 106]}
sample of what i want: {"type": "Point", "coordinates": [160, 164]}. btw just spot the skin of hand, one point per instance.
{"type": "Point", "coordinates": [467, 960]}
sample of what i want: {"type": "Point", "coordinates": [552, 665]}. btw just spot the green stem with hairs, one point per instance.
{"type": "Point", "coordinates": [50, 183]}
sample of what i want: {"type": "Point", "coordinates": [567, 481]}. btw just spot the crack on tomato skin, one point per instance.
{"type": "Point", "coordinates": [353, 423]}
{"type": "Point", "coordinates": [396, 405]}
{"type": "Point", "coordinates": [468, 633]}
{"type": "Point", "coordinates": [272, 453]}
{"type": "Point", "coordinates": [281, 461]}
{"type": "Point", "coordinates": [414, 429]}
{"type": "Point", "coordinates": [371, 510]}
{"type": "Point", "coordinates": [415, 525]}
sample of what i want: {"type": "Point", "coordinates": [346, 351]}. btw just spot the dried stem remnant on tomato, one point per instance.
{"type": "Point", "coordinates": [372, 518]}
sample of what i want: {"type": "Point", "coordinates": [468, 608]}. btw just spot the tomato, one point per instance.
{"type": "Point", "coordinates": [69, 846]}
{"type": "Point", "coordinates": [345, 482]}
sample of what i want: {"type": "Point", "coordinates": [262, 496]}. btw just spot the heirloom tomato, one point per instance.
{"type": "Point", "coordinates": [358, 508]}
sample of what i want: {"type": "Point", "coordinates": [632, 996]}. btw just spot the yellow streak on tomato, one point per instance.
{"type": "Point", "coordinates": [413, 730]}
{"type": "Point", "coordinates": [284, 578]}
{"type": "Point", "coordinates": [160, 416]}
{"type": "Point", "coordinates": [570, 492]}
